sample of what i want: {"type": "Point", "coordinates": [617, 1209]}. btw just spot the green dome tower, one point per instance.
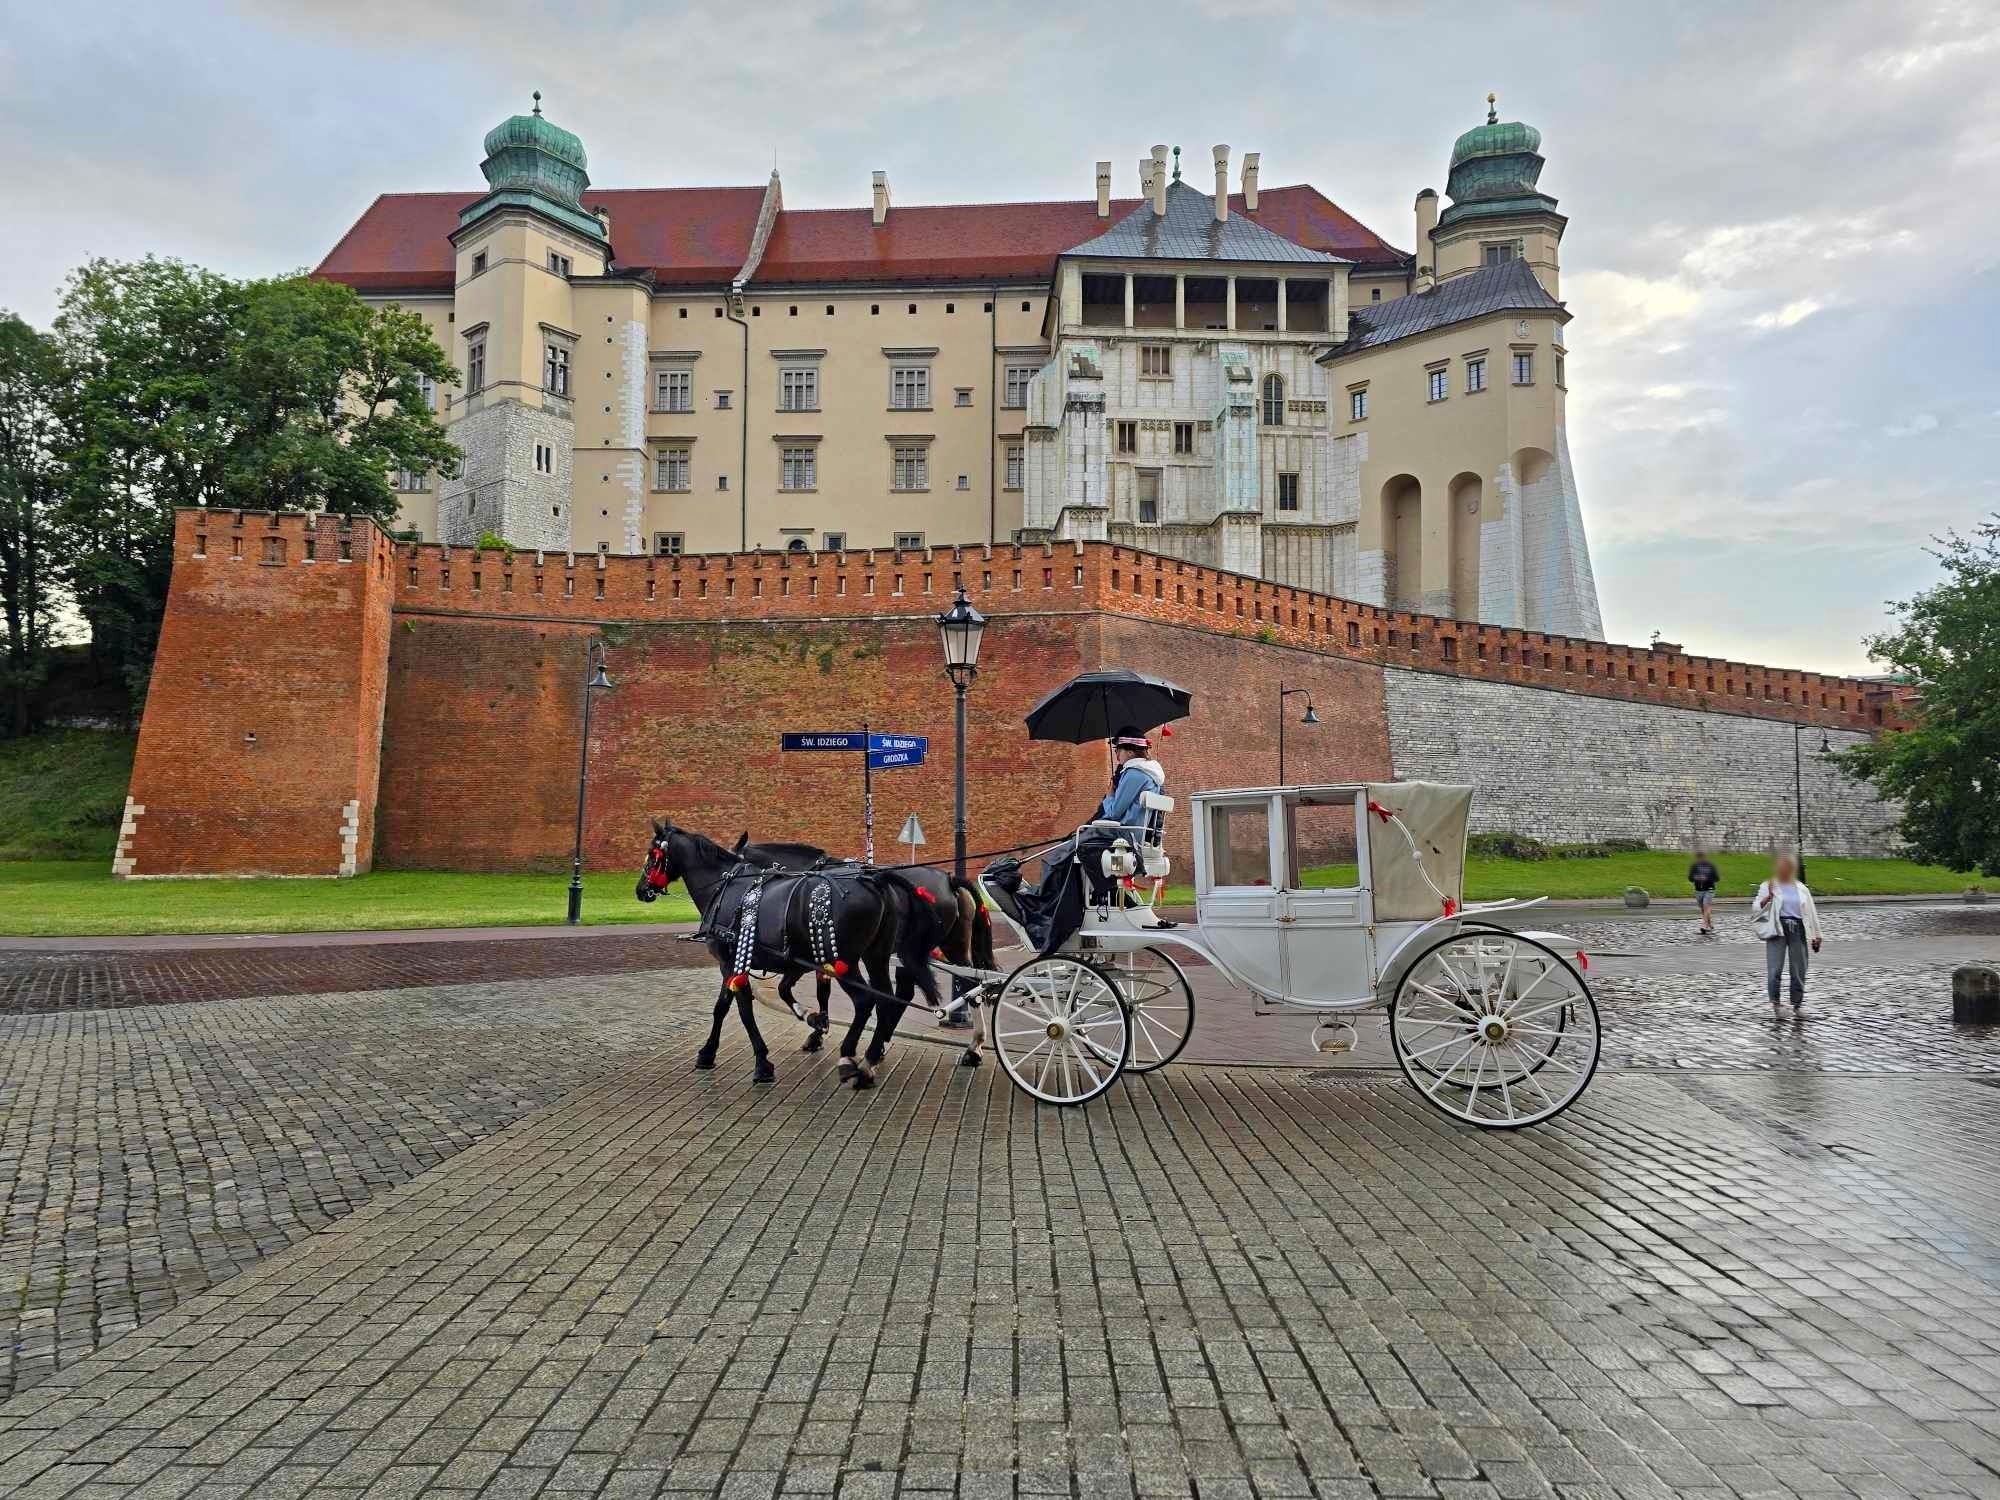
{"type": "Point", "coordinates": [1497, 210]}
{"type": "Point", "coordinates": [536, 165]}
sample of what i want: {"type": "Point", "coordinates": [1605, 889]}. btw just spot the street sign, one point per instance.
{"type": "Point", "coordinates": [885, 750]}
{"type": "Point", "coordinates": [913, 831]}
{"type": "Point", "coordinates": [832, 740]}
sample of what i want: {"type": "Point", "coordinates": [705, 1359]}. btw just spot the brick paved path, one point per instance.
{"type": "Point", "coordinates": [1213, 1283]}
{"type": "Point", "coordinates": [496, 1238]}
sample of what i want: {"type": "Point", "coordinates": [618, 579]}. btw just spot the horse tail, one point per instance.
{"type": "Point", "coordinates": [978, 923]}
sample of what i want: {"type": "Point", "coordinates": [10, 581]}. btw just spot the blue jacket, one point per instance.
{"type": "Point", "coordinates": [1135, 778]}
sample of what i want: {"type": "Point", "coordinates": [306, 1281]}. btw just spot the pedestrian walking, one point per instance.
{"type": "Point", "coordinates": [1788, 922]}
{"type": "Point", "coordinates": [1704, 877]}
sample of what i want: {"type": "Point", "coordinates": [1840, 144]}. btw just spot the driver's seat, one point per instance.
{"type": "Point", "coordinates": [1152, 850]}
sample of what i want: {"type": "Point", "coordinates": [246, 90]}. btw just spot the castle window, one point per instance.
{"type": "Point", "coordinates": [560, 264]}
{"type": "Point", "coordinates": [668, 543]}
{"type": "Point", "coordinates": [1374, 294]}
{"type": "Point", "coordinates": [412, 481]}
{"type": "Point", "coordinates": [1156, 361]}
{"type": "Point", "coordinates": [555, 369]}
{"type": "Point", "coordinates": [1498, 255]}
{"type": "Point", "coordinates": [1184, 438]}
{"type": "Point", "coordinates": [965, 481]}
{"type": "Point", "coordinates": [475, 367]}
{"type": "Point", "coordinates": [962, 396]}
{"type": "Point", "coordinates": [799, 469]}
{"type": "Point", "coordinates": [836, 541]}
{"type": "Point", "coordinates": [545, 458]}
{"type": "Point", "coordinates": [1274, 401]}
{"type": "Point", "coordinates": [722, 401]}
{"type": "Point", "coordinates": [427, 389]}
{"type": "Point", "coordinates": [1524, 368]}
{"type": "Point", "coordinates": [1018, 377]}
{"type": "Point", "coordinates": [909, 541]}
{"type": "Point", "coordinates": [1288, 492]}
{"type": "Point", "coordinates": [1016, 462]}
{"type": "Point", "coordinates": [1149, 497]}
{"type": "Point", "coordinates": [1357, 405]}
{"type": "Point", "coordinates": [722, 481]}
{"type": "Point", "coordinates": [912, 470]}
{"type": "Point", "coordinates": [672, 470]}
{"type": "Point", "coordinates": [479, 263]}
{"type": "Point", "coordinates": [1128, 437]}
{"type": "Point", "coordinates": [798, 389]}
{"type": "Point", "coordinates": [1475, 375]}
{"type": "Point", "coordinates": [1559, 373]}
{"type": "Point", "coordinates": [673, 390]}
{"type": "Point", "coordinates": [910, 387]}
{"type": "Point", "coordinates": [1440, 383]}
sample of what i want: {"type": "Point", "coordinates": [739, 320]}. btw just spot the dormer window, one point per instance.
{"type": "Point", "coordinates": [1500, 254]}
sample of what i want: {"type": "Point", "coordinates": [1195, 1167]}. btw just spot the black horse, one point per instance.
{"type": "Point", "coordinates": [834, 921]}
{"type": "Point", "coordinates": [960, 928]}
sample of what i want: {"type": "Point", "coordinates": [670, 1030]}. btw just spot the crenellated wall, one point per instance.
{"type": "Point", "coordinates": [467, 709]}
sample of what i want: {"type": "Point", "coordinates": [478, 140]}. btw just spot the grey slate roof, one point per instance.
{"type": "Point", "coordinates": [1189, 231]}
{"type": "Point", "coordinates": [1510, 286]}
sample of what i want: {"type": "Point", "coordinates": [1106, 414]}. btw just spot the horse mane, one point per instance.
{"type": "Point", "coordinates": [702, 842]}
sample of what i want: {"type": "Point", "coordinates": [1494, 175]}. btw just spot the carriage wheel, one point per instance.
{"type": "Point", "coordinates": [1061, 1030]}
{"type": "Point", "coordinates": [1162, 1003]}
{"type": "Point", "coordinates": [1495, 1029]}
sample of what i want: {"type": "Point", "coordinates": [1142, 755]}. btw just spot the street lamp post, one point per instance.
{"type": "Point", "coordinates": [1798, 796]}
{"type": "Point", "coordinates": [1311, 716]}
{"type": "Point", "coordinates": [593, 680]}
{"type": "Point", "coordinates": [960, 628]}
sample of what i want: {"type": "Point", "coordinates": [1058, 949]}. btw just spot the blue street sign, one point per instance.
{"type": "Point", "coordinates": [836, 740]}
{"type": "Point", "coordinates": [885, 750]}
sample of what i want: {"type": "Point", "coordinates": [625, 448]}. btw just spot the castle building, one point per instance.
{"type": "Point", "coordinates": [1248, 379]}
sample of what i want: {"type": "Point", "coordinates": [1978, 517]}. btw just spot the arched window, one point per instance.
{"type": "Point", "coordinates": [1274, 401]}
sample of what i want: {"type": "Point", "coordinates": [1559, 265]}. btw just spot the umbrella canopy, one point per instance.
{"type": "Point", "coordinates": [1096, 705]}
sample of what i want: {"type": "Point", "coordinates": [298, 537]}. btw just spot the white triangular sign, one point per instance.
{"type": "Point", "coordinates": [913, 831]}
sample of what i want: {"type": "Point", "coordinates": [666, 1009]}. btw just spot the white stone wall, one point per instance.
{"type": "Point", "coordinates": [1559, 588]}
{"type": "Point", "coordinates": [1500, 553]}
{"type": "Point", "coordinates": [1566, 767]}
{"type": "Point", "coordinates": [498, 487]}
{"type": "Point", "coordinates": [630, 409]}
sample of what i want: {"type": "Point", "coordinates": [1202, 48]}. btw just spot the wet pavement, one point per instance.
{"type": "Point", "coordinates": [420, 1225]}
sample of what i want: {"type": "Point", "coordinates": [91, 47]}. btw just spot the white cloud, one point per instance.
{"type": "Point", "coordinates": [1790, 315]}
{"type": "Point", "coordinates": [1921, 423]}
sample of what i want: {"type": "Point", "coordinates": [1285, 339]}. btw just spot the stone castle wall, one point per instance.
{"type": "Point", "coordinates": [454, 675]}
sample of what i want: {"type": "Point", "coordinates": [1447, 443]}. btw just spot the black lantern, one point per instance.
{"type": "Point", "coordinates": [1310, 716]}
{"type": "Point", "coordinates": [594, 682]}
{"type": "Point", "coordinates": [960, 628]}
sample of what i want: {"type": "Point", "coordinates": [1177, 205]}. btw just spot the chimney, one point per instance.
{"type": "Point", "coordinates": [1159, 182]}
{"type": "Point", "coordinates": [1104, 190]}
{"type": "Point", "coordinates": [603, 216]}
{"type": "Point", "coordinates": [1146, 177]}
{"type": "Point", "coordinates": [1427, 218]}
{"type": "Point", "coordinates": [1250, 182]}
{"type": "Point", "coordinates": [881, 213]}
{"type": "Point", "coordinates": [1221, 184]}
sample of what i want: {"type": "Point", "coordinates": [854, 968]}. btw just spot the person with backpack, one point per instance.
{"type": "Point", "coordinates": [1704, 877]}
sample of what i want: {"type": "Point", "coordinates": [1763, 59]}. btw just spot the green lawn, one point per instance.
{"type": "Point", "coordinates": [58, 898]}
{"type": "Point", "coordinates": [1663, 874]}
{"type": "Point", "coordinates": [62, 794]}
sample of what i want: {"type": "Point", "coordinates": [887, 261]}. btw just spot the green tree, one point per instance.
{"type": "Point", "coordinates": [188, 388]}
{"type": "Point", "coordinates": [1946, 770]}
{"type": "Point", "coordinates": [31, 474]}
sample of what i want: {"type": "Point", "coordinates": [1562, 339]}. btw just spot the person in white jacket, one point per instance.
{"type": "Point", "coordinates": [1788, 922]}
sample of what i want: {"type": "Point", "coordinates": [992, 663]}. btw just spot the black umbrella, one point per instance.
{"type": "Point", "coordinates": [1097, 705]}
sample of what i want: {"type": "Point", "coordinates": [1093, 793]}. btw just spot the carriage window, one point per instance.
{"type": "Point", "coordinates": [1239, 841]}
{"type": "Point", "coordinates": [1319, 840]}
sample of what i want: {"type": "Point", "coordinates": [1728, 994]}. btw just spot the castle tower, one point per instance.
{"type": "Point", "coordinates": [519, 250]}
{"type": "Point", "coordinates": [1497, 212]}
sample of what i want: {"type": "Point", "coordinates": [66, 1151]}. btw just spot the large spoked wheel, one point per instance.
{"type": "Point", "coordinates": [1162, 1003]}
{"type": "Point", "coordinates": [1062, 1030]}
{"type": "Point", "coordinates": [1495, 1029]}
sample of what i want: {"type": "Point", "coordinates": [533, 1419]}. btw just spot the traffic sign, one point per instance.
{"type": "Point", "coordinates": [913, 831]}
{"type": "Point", "coordinates": [832, 740]}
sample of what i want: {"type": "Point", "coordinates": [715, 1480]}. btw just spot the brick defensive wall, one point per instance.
{"type": "Point", "coordinates": [326, 699]}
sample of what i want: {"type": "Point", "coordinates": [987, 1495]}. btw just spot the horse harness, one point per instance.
{"type": "Point", "coordinates": [742, 942]}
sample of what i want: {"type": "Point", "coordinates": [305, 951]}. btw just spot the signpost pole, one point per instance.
{"type": "Point", "coordinates": [867, 800]}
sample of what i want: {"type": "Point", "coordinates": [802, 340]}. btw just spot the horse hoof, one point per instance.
{"type": "Point", "coordinates": [863, 1080]}
{"type": "Point", "coordinates": [848, 1068]}
{"type": "Point", "coordinates": [764, 1073]}
{"type": "Point", "coordinates": [812, 1044]}
{"type": "Point", "coordinates": [970, 1058]}
{"type": "Point", "coordinates": [704, 1061]}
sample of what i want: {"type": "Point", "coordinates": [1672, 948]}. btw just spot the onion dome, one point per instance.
{"type": "Point", "coordinates": [1498, 160]}
{"type": "Point", "coordinates": [527, 153]}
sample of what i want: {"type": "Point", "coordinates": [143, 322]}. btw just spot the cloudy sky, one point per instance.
{"type": "Point", "coordinates": [1785, 367]}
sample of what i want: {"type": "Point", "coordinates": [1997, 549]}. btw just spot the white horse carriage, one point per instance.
{"type": "Point", "coordinates": [1495, 1027]}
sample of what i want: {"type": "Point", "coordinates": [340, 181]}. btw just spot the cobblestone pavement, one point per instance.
{"type": "Point", "coordinates": [147, 1154]}
{"type": "Point", "coordinates": [1211, 1283]}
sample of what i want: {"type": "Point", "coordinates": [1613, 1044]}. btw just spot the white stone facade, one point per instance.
{"type": "Point", "coordinates": [503, 485]}
{"type": "Point", "coordinates": [1567, 767]}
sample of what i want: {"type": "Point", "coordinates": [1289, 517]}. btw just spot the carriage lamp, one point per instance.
{"type": "Point", "coordinates": [1310, 716]}
{"type": "Point", "coordinates": [594, 681]}
{"type": "Point", "coordinates": [960, 628]}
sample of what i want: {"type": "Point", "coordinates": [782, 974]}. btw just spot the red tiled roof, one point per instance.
{"type": "Point", "coordinates": [701, 236]}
